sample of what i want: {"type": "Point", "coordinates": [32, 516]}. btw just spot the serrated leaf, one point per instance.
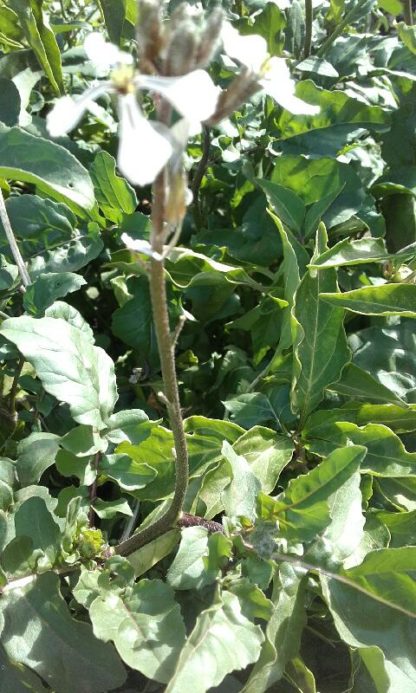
{"type": "Point", "coordinates": [388, 299]}
{"type": "Point", "coordinates": [146, 627]}
{"type": "Point", "coordinates": [52, 636]}
{"type": "Point", "coordinates": [205, 652]}
{"type": "Point", "coordinates": [69, 366]}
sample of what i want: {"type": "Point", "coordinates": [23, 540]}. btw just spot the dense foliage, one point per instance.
{"type": "Point", "coordinates": [293, 284]}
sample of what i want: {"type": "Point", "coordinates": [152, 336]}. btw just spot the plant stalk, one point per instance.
{"type": "Point", "coordinates": [165, 343]}
{"type": "Point", "coordinates": [308, 29]}
{"type": "Point", "coordinates": [24, 275]}
{"type": "Point", "coordinates": [408, 12]}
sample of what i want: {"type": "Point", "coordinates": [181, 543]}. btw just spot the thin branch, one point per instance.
{"type": "Point", "coordinates": [24, 275]}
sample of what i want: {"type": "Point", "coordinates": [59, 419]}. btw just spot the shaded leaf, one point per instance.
{"type": "Point", "coordinates": [52, 636]}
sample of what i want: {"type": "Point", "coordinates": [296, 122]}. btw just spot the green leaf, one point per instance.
{"type": "Point", "coordinates": [147, 556]}
{"type": "Point", "coordinates": [69, 366]}
{"type": "Point", "coordinates": [16, 678]}
{"type": "Point", "coordinates": [383, 588]}
{"type": "Point", "coordinates": [352, 252]}
{"type": "Point", "coordinates": [250, 409]}
{"type": "Point", "coordinates": [114, 195]}
{"type": "Point", "coordinates": [408, 36]}
{"type": "Point", "coordinates": [315, 179]}
{"type": "Point", "coordinates": [267, 453]}
{"type": "Point", "coordinates": [145, 625]}
{"type": "Point", "coordinates": [188, 569]}
{"type": "Point", "coordinates": [47, 236]}
{"type": "Point", "coordinates": [303, 509]}
{"type": "Point", "coordinates": [207, 658]}
{"type": "Point", "coordinates": [283, 632]}
{"type": "Point", "coordinates": [36, 453]}
{"type": "Point", "coordinates": [72, 316]}
{"type": "Point", "coordinates": [240, 496]}
{"type": "Point", "coordinates": [51, 637]}
{"type": "Point", "coordinates": [107, 510]}
{"type": "Point", "coordinates": [10, 104]}
{"type": "Point", "coordinates": [386, 454]}
{"type": "Point", "coordinates": [128, 473]}
{"type": "Point", "coordinates": [356, 382]}
{"type": "Point", "coordinates": [320, 346]}
{"type": "Point", "coordinates": [34, 520]}
{"type": "Point", "coordinates": [48, 287]}
{"type": "Point", "coordinates": [388, 299]}
{"type": "Point", "coordinates": [133, 323]}
{"type": "Point", "coordinates": [41, 38]}
{"type": "Point", "coordinates": [336, 108]}
{"type": "Point", "coordinates": [48, 166]}
{"type": "Point", "coordinates": [288, 206]}
{"type": "Point", "coordinates": [120, 18]}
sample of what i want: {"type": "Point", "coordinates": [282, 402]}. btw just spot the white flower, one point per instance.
{"type": "Point", "coordinates": [272, 73]}
{"type": "Point", "coordinates": [145, 146]}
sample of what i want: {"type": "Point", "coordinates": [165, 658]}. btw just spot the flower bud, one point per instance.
{"type": "Point", "coordinates": [239, 91]}
{"type": "Point", "coordinates": [182, 50]}
{"type": "Point", "coordinates": [209, 38]}
{"type": "Point", "coordinates": [151, 36]}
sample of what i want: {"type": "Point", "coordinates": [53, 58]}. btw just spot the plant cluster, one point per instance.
{"type": "Point", "coordinates": [207, 346]}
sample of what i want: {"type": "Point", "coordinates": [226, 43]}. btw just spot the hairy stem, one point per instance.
{"type": "Point", "coordinates": [408, 11]}
{"type": "Point", "coordinates": [308, 29]}
{"type": "Point", "coordinates": [171, 393]}
{"type": "Point", "coordinates": [93, 490]}
{"type": "Point", "coordinates": [24, 275]}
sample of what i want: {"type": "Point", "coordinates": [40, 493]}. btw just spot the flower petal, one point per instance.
{"type": "Point", "coordinates": [278, 84]}
{"type": "Point", "coordinates": [142, 152]}
{"type": "Point", "coordinates": [140, 246]}
{"type": "Point", "coordinates": [194, 95]}
{"type": "Point", "coordinates": [67, 112]}
{"type": "Point", "coordinates": [249, 50]}
{"type": "Point", "coordinates": [102, 53]}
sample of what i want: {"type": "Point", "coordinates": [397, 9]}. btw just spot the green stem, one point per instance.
{"type": "Point", "coordinates": [199, 174]}
{"type": "Point", "coordinates": [408, 12]}
{"type": "Point", "coordinates": [13, 389]}
{"type": "Point", "coordinates": [171, 392]}
{"type": "Point", "coordinates": [24, 275]}
{"type": "Point", "coordinates": [337, 32]}
{"type": "Point", "coordinates": [308, 28]}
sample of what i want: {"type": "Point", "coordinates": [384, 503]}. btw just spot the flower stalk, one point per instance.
{"type": "Point", "coordinates": [166, 346]}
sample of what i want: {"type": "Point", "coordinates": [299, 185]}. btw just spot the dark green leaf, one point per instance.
{"type": "Point", "coordinates": [388, 299]}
